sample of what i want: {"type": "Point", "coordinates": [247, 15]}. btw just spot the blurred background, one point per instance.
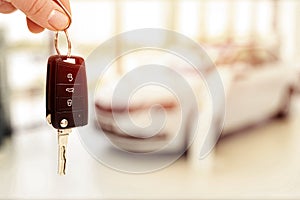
{"type": "Point", "coordinates": [256, 39]}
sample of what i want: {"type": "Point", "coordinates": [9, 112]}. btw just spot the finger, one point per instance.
{"type": "Point", "coordinates": [33, 27]}
{"type": "Point", "coordinates": [66, 3]}
{"type": "Point", "coordinates": [45, 13]}
{"type": "Point", "coordinates": [6, 7]}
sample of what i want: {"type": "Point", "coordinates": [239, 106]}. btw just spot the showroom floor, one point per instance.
{"type": "Point", "coordinates": [263, 162]}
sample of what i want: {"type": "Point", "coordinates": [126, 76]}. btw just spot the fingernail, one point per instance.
{"type": "Point", "coordinates": [58, 20]}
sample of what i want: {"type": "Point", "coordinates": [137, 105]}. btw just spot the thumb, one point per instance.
{"type": "Point", "coordinates": [45, 13]}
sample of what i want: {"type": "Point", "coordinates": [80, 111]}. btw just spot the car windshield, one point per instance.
{"type": "Point", "coordinates": [254, 57]}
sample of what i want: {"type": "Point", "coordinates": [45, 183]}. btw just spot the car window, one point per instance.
{"type": "Point", "coordinates": [255, 57]}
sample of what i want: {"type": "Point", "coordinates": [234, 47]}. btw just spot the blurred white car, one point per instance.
{"type": "Point", "coordinates": [257, 87]}
{"type": "Point", "coordinates": [261, 87]}
{"type": "Point", "coordinates": [153, 119]}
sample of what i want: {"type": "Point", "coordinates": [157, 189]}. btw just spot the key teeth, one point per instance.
{"type": "Point", "coordinates": [62, 148]}
{"type": "Point", "coordinates": [62, 161]}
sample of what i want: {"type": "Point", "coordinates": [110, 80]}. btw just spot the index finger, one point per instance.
{"type": "Point", "coordinates": [45, 13]}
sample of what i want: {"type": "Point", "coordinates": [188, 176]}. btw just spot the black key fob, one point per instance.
{"type": "Point", "coordinates": [66, 92]}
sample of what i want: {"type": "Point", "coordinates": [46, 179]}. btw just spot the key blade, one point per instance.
{"type": "Point", "coordinates": [62, 148]}
{"type": "Point", "coordinates": [62, 161]}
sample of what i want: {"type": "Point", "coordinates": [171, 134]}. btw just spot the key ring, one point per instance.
{"type": "Point", "coordinates": [68, 40]}
{"type": "Point", "coordinates": [66, 32]}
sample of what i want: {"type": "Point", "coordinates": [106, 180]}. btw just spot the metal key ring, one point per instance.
{"type": "Point", "coordinates": [68, 40]}
{"type": "Point", "coordinates": [66, 33]}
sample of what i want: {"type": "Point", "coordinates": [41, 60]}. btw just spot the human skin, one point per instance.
{"type": "Point", "coordinates": [40, 14]}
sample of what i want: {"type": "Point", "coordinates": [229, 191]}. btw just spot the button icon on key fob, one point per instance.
{"type": "Point", "coordinates": [69, 102]}
{"type": "Point", "coordinates": [70, 77]}
{"type": "Point", "coordinates": [70, 90]}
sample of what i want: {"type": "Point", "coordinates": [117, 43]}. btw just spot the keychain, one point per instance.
{"type": "Point", "coordinates": [66, 94]}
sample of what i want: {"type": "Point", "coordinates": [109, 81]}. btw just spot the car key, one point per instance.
{"type": "Point", "coordinates": [66, 99]}
{"type": "Point", "coordinates": [66, 94]}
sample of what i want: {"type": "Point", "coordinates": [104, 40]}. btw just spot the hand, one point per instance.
{"type": "Point", "coordinates": [40, 14]}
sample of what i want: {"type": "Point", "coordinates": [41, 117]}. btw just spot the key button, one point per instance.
{"type": "Point", "coordinates": [69, 74]}
{"type": "Point", "coordinates": [69, 104]}
{"type": "Point", "coordinates": [68, 90]}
